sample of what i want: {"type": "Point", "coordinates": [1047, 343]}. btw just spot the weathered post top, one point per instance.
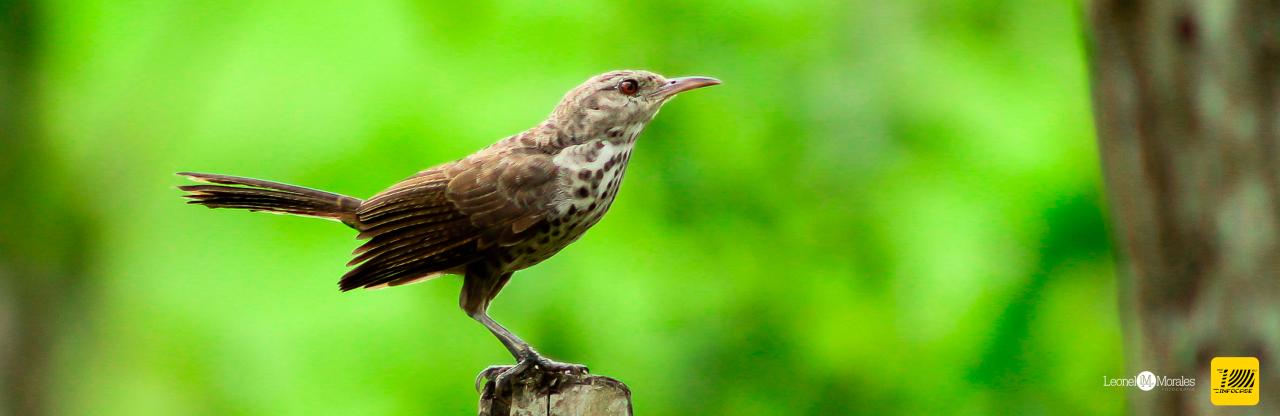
{"type": "Point", "coordinates": [558, 394]}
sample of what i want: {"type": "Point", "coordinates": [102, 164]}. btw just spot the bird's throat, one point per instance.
{"type": "Point", "coordinates": [593, 172]}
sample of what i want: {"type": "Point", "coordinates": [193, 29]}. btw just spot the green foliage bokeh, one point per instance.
{"type": "Point", "coordinates": [887, 207]}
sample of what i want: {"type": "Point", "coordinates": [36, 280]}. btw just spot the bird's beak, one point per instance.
{"type": "Point", "coordinates": [678, 85]}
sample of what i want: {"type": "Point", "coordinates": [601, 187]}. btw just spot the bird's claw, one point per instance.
{"type": "Point", "coordinates": [490, 373]}
{"type": "Point", "coordinates": [544, 365]}
{"type": "Point", "coordinates": [533, 367]}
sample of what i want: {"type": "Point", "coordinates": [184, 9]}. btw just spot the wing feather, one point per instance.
{"type": "Point", "coordinates": [450, 215]}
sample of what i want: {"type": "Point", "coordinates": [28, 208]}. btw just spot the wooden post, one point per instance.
{"type": "Point", "coordinates": [556, 394]}
{"type": "Point", "coordinates": [1187, 105]}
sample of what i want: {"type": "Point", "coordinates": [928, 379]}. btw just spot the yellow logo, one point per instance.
{"type": "Point", "coordinates": [1234, 381]}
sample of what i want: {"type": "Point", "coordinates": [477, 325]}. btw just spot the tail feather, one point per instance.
{"type": "Point", "coordinates": [259, 195]}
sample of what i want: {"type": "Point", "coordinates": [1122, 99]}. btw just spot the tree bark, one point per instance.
{"type": "Point", "coordinates": [550, 394]}
{"type": "Point", "coordinates": [1185, 102]}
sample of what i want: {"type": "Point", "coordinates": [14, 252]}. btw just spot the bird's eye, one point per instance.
{"type": "Point", "coordinates": [629, 87]}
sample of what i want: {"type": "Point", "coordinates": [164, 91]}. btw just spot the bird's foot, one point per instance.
{"type": "Point", "coordinates": [544, 365]}
{"type": "Point", "coordinates": [531, 368]}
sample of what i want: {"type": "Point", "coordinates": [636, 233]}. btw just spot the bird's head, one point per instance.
{"type": "Point", "coordinates": [616, 105]}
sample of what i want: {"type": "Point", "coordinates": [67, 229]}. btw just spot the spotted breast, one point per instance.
{"type": "Point", "coordinates": [588, 179]}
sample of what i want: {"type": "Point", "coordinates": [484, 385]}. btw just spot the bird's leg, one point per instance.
{"type": "Point", "coordinates": [518, 348]}
{"type": "Point", "coordinates": [481, 283]}
{"type": "Point", "coordinates": [526, 357]}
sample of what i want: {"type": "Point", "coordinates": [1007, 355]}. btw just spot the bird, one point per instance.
{"type": "Point", "coordinates": [500, 210]}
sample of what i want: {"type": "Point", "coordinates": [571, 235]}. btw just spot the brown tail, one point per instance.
{"type": "Point", "coordinates": [260, 195]}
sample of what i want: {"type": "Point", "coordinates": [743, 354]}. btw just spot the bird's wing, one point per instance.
{"type": "Point", "coordinates": [446, 217]}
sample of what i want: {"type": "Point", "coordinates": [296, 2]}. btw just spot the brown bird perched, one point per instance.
{"type": "Point", "coordinates": [486, 216]}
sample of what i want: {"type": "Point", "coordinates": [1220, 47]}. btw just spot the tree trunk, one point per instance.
{"type": "Point", "coordinates": [1185, 97]}
{"type": "Point", "coordinates": [558, 395]}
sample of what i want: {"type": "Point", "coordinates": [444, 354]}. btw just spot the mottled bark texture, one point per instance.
{"type": "Point", "coordinates": [1185, 99]}
{"type": "Point", "coordinates": [558, 395]}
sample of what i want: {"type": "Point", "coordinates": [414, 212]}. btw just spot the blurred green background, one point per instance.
{"type": "Point", "coordinates": [887, 208]}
